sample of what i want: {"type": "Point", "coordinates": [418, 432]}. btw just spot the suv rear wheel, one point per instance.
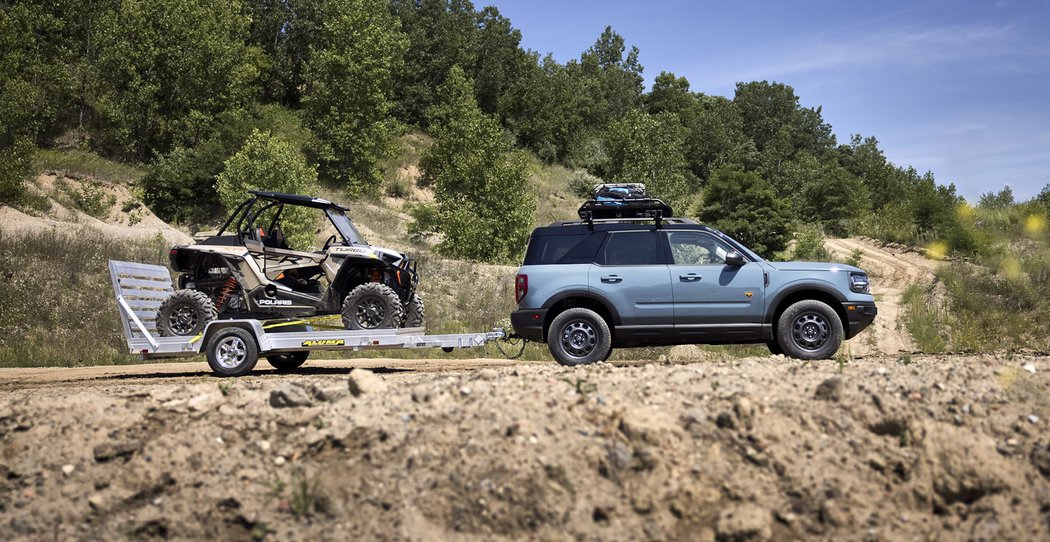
{"type": "Point", "coordinates": [579, 336]}
{"type": "Point", "coordinates": [809, 329]}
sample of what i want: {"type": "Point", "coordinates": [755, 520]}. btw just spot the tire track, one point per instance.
{"type": "Point", "coordinates": [892, 270]}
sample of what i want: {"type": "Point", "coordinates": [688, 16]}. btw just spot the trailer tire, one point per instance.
{"type": "Point", "coordinates": [232, 351]}
{"type": "Point", "coordinates": [288, 361]}
{"type": "Point", "coordinates": [372, 306]}
{"type": "Point", "coordinates": [414, 311]}
{"type": "Point", "coordinates": [185, 313]}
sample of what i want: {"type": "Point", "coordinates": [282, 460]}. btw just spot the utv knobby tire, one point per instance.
{"type": "Point", "coordinates": [372, 306]}
{"type": "Point", "coordinates": [232, 351]}
{"type": "Point", "coordinates": [809, 329]}
{"type": "Point", "coordinates": [579, 336]}
{"type": "Point", "coordinates": [288, 361]}
{"type": "Point", "coordinates": [185, 313]}
{"type": "Point", "coordinates": [414, 311]}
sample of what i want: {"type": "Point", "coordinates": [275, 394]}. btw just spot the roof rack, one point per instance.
{"type": "Point", "coordinates": [619, 202]}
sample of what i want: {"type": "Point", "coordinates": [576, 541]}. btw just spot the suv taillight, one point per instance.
{"type": "Point", "coordinates": [521, 287]}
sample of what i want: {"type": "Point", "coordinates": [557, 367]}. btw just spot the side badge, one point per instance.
{"type": "Point", "coordinates": [749, 294]}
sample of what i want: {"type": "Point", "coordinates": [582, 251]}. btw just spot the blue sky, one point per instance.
{"type": "Point", "coordinates": [961, 89]}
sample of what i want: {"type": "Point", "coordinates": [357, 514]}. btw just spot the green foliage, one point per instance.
{"type": "Point", "coordinates": [744, 206]}
{"type": "Point", "coordinates": [1001, 200]}
{"type": "Point", "coordinates": [648, 149]}
{"type": "Point", "coordinates": [582, 184]}
{"type": "Point", "coordinates": [64, 317]}
{"type": "Point", "coordinates": [483, 206]}
{"type": "Point", "coordinates": [166, 68]}
{"type": "Point", "coordinates": [809, 245]}
{"type": "Point", "coordinates": [349, 86]}
{"type": "Point", "coordinates": [824, 192]}
{"type": "Point", "coordinates": [854, 258]}
{"type": "Point", "coordinates": [15, 166]}
{"type": "Point", "coordinates": [267, 163]}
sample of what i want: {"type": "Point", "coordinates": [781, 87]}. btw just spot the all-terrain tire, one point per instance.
{"type": "Point", "coordinates": [185, 313]}
{"type": "Point", "coordinates": [579, 336]}
{"type": "Point", "coordinates": [232, 351]}
{"type": "Point", "coordinates": [288, 361]}
{"type": "Point", "coordinates": [372, 306]}
{"type": "Point", "coordinates": [809, 329]}
{"type": "Point", "coordinates": [414, 311]}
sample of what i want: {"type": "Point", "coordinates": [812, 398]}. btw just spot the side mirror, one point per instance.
{"type": "Point", "coordinates": [735, 259]}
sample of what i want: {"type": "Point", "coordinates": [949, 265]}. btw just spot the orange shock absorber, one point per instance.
{"type": "Point", "coordinates": [224, 293]}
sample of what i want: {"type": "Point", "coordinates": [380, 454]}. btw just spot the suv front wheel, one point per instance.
{"type": "Point", "coordinates": [809, 329]}
{"type": "Point", "coordinates": [579, 336]}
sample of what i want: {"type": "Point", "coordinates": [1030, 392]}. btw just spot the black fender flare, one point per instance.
{"type": "Point", "coordinates": [807, 286]}
{"type": "Point", "coordinates": [580, 293]}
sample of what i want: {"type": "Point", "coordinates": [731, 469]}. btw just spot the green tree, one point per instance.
{"type": "Point", "coordinates": [824, 192]}
{"type": "Point", "coordinates": [483, 207]}
{"type": "Point", "coordinates": [863, 158]}
{"type": "Point", "coordinates": [349, 88]}
{"type": "Point", "coordinates": [778, 125]}
{"type": "Point", "coordinates": [997, 200]}
{"type": "Point", "coordinates": [268, 163]}
{"type": "Point", "coordinates": [167, 68]}
{"type": "Point", "coordinates": [613, 82]}
{"type": "Point", "coordinates": [745, 206]}
{"type": "Point", "coordinates": [442, 34]}
{"type": "Point", "coordinates": [649, 149]}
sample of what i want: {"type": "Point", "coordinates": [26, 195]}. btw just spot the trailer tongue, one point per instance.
{"type": "Point", "coordinates": [233, 347]}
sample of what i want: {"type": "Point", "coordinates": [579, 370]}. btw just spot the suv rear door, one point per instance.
{"type": "Point", "coordinates": [631, 272]}
{"type": "Point", "coordinates": [712, 300]}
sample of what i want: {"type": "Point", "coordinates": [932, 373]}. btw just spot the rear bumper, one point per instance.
{"type": "Point", "coordinates": [860, 316]}
{"type": "Point", "coordinates": [529, 323]}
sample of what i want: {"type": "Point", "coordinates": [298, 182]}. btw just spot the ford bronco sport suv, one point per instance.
{"type": "Point", "coordinates": [625, 276]}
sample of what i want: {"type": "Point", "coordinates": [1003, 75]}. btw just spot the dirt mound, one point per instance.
{"type": "Point", "coordinates": [753, 449]}
{"type": "Point", "coordinates": [77, 202]}
{"type": "Point", "coordinates": [893, 268]}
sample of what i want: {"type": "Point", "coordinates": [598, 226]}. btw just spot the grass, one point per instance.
{"type": "Point", "coordinates": [924, 320]}
{"type": "Point", "coordinates": [81, 163]}
{"type": "Point", "coordinates": [58, 307]}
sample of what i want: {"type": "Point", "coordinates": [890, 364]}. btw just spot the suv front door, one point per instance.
{"type": "Point", "coordinates": [631, 272]}
{"type": "Point", "coordinates": [713, 300]}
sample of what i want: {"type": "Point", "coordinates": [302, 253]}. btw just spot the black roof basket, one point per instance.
{"type": "Point", "coordinates": [623, 201]}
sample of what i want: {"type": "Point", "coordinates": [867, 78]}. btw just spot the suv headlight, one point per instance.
{"type": "Point", "coordinates": [858, 282]}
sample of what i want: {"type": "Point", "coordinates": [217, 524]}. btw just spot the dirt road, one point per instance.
{"type": "Point", "coordinates": [892, 270]}
{"type": "Point", "coordinates": [751, 449]}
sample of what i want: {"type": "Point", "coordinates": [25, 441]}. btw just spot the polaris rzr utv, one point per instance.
{"type": "Point", "coordinates": [247, 270]}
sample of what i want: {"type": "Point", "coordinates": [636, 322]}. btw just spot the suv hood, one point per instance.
{"type": "Point", "coordinates": [811, 267]}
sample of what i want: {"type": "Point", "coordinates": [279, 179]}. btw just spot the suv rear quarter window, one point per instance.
{"type": "Point", "coordinates": [563, 249]}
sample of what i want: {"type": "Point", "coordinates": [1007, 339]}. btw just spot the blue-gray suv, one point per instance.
{"type": "Point", "coordinates": [588, 286]}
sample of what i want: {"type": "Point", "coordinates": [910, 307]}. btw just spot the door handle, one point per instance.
{"type": "Point", "coordinates": [612, 279]}
{"type": "Point", "coordinates": [689, 277]}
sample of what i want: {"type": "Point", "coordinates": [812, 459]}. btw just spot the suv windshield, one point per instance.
{"type": "Point", "coordinates": [345, 227]}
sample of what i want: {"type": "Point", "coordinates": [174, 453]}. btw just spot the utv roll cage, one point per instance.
{"type": "Point", "coordinates": [244, 216]}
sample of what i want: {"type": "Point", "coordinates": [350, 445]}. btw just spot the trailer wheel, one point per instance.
{"type": "Point", "coordinates": [232, 352]}
{"type": "Point", "coordinates": [288, 361]}
{"type": "Point", "coordinates": [372, 306]}
{"type": "Point", "coordinates": [185, 313]}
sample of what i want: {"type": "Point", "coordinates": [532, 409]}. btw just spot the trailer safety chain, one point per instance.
{"type": "Point", "coordinates": [512, 341]}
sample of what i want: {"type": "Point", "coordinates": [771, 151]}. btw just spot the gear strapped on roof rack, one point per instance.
{"type": "Point", "coordinates": [623, 201]}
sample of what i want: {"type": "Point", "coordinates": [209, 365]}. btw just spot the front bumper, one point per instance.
{"type": "Point", "coordinates": [529, 323]}
{"type": "Point", "coordinates": [859, 316]}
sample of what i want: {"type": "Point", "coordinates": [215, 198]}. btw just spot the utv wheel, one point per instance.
{"type": "Point", "coordinates": [414, 312]}
{"type": "Point", "coordinates": [232, 352]}
{"type": "Point", "coordinates": [372, 306]}
{"type": "Point", "coordinates": [288, 361]}
{"type": "Point", "coordinates": [809, 329]}
{"type": "Point", "coordinates": [578, 337]}
{"type": "Point", "coordinates": [185, 313]}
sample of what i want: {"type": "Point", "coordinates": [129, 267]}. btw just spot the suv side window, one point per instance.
{"type": "Point", "coordinates": [631, 248]}
{"type": "Point", "coordinates": [563, 249]}
{"type": "Point", "coordinates": [697, 248]}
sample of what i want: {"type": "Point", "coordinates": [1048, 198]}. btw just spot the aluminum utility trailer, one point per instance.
{"type": "Point", "coordinates": [233, 346]}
